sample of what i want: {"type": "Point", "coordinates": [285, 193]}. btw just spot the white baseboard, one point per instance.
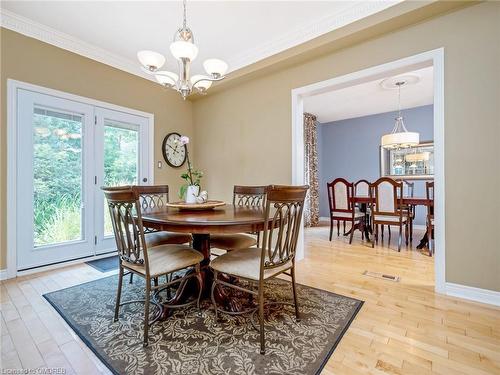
{"type": "Point", "coordinates": [474, 294]}
{"type": "Point", "coordinates": [3, 274]}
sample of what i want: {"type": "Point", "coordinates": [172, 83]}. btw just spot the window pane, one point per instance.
{"type": "Point", "coordinates": [57, 173]}
{"type": "Point", "coordinates": [121, 155]}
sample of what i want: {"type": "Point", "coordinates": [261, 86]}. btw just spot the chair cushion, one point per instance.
{"type": "Point", "coordinates": [245, 263]}
{"type": "Point", "coordinates": [163, 238]}
{"type": "Point", "coordinates": [357, 214]}
{"type": "Point", "coordinates": [390, 218]}
{"type": "Point", "coordinates": [232, 241]}
{"type": "Point", "coordinates": [165, 259]}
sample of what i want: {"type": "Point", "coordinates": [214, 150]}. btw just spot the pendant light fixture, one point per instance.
{"type": "Point", "coordinates": [185, 51]}
{"type": "Point", "coordinates": [400, 137]}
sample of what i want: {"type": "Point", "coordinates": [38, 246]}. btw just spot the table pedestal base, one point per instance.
{"type": "Point", "coordinates": [189, 288]}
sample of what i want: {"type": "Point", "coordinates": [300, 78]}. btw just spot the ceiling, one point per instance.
{"type": "Point", "coordinates": [239, 32]}
{"type": "Point", "coordinates": [370, 98]}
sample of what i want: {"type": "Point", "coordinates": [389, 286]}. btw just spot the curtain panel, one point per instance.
{"type": "Point", "coordinates": [311, 206]}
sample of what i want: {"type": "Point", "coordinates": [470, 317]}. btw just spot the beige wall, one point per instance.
{"type": "Point", "coordinates": [29, 60]}
{"type": "Point", "coordinates": [243, 133]}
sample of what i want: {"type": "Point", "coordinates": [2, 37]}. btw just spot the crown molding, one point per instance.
{"type": "Point", "coordinates": [46, 34]}
{"type": "Point", "coordinates": [33, 29]}
{"type": "Point", "coordinates": [355, 12]}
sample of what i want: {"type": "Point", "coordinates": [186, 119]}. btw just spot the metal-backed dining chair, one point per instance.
{"type": "Point", "coordinates": [429, 190]}
{"type": "Point", "coordinates": [283, 216]}
{"type": "Point", "coordinates": [342, 209]}
{"type": "Point", "coordinates": [243, 196]}
{"type": "Point", "coordinates": [147, 262]}
{"type": "Point", "coordinates": [156, 196]}
{"type": "Point", "coordinates": [386, 201]}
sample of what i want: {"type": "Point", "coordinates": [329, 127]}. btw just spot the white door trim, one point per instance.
{"type": "Point", "coordinates": [12, 87]}
{"type": "Point", "coordinates": [434, 58]}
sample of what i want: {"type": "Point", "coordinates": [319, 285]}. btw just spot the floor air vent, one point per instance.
{"type": "Point", "coordinates": [384, 276]}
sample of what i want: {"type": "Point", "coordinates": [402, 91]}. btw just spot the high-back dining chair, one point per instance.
{"type": "Point", "coordinates": [362, 188]}
{"type": "Point", "coordinates": [340, 192]}
{"type": "Point", "coordinates": [429, 192]}
{"type": "Point", "coordinates": [387, 199]}
{"type": "Point", "coordinates": [283, 215]}
{"type": "Point", "coordinates": [408, 191]}
{"type": "Point", "coordinates": [147, 262]}
{"type": "Point", "coordinates": [151, 197]}
{"type": "Point", "coordinates": [243, 196]}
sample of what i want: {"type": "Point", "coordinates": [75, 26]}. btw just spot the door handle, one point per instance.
{"type": "Point", "coordinates": [144, 179]}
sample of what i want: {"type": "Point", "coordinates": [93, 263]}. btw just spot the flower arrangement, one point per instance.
{"type": "Point", "coordinates": [191, 187]}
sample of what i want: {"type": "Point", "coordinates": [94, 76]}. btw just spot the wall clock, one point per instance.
{"type": "Point", "coordinates": [173, 151]}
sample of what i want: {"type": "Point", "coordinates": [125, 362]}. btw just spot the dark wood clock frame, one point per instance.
{"type": "Point", "coordinates": [165, 154]}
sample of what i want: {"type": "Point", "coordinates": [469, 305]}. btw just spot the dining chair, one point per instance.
{"type": "Point", "coordinates": [156, 196]}
{"type": "Point", "coordinates": [386, 201]}
{"type": "Point", "coordinates": [340, 192]}
{"type": "Point", "coordinates": [150, 263]}
{"type": "Point", "coordinates": [276, 256]}
{"type": "Point", "coordinates": [362, 188]}
{"type": "Point", "coordinates": [408, 191]}
{"type": "Point", "coordinates": [243, 196]}
{"type": "Point", "coordinates": [150, 197]}
{"type": "Point", "coordinates": [429, 189]}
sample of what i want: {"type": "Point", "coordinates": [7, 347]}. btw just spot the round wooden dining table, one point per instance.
{"type": "Point", "coordinates": [202, 223]}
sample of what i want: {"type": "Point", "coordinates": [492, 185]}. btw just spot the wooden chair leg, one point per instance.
{"type": "Point", "coordinates": [344, 227]}
{"type": "Point", "coordinates": [375, 235]}
{"type": "Point", "coordinates": [429, 238]}
{"type": "Point", "coordinates": [295, 300]}
{"type": "Point", "coordinates": [411, 225]}
{"type": "Point", "coordinates": [147, 297]}
{"type": "Point", "coordinates": [119, 293]}
{"type": "Point", "coordinates": [261, 319]}
{"type": "Point", "coordinates": [400, 237]}
{"type": "Point", "coordinates": [382, 231]}
{"type": "Point", "coordinates": [131, 278]}
{"type": "Point", "coordinates": [406, 233]}
{"type": "Point", "coordinates": [338, 228]}
{"type": "Point", "coordinates": [389, 230]}
{"type": "Point", "coordinates": [331, 228]}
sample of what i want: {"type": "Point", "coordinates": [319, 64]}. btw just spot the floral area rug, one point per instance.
{"type": "Point", "coordinates": [190, 342]}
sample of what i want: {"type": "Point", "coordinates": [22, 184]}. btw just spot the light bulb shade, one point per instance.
{"type": "Point", "coordinates": [186, 50]}
{"type": "Point", "coordinates": [151, 60]}
{"type": "Point", "coordinates": [400, 140]}
{"type": "Point", "coordinates": [167, 78]}
{"type": "Point", "coordinates": [420, 156]}
{"type": "Point", "coordinates": [215, 67]}
{"type": "Point", "coordinates": [202, 85]}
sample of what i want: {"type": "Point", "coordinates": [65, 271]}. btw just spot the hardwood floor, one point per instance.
{"type": "Point", "coordinates": [403, 327]}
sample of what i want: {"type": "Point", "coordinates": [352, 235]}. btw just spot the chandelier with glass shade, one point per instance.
{"type": "Point", "coordinates": [185, 51]}
{"type": "Point", "coordinates": [400, 137]}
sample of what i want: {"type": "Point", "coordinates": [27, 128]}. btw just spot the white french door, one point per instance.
{"type": "Point", "coordinates": [67, 150]}
{"type": "Point", "coordinates": [121, 159]}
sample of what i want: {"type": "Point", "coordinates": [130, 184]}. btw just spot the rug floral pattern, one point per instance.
{"type": "Point", "coordinates": [191, 342]}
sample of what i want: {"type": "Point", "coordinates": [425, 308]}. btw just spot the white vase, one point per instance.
{"type": "Point", "coordinates": [192, 193]}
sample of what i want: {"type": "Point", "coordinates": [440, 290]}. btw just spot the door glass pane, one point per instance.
{"type": "Point", "coordinates": [121, 160]}
{"type": "Point", "coordinates": [57, 174]}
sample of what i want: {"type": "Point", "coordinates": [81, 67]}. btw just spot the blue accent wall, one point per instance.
{"type": "Point", "coordinates": [350, 149]}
